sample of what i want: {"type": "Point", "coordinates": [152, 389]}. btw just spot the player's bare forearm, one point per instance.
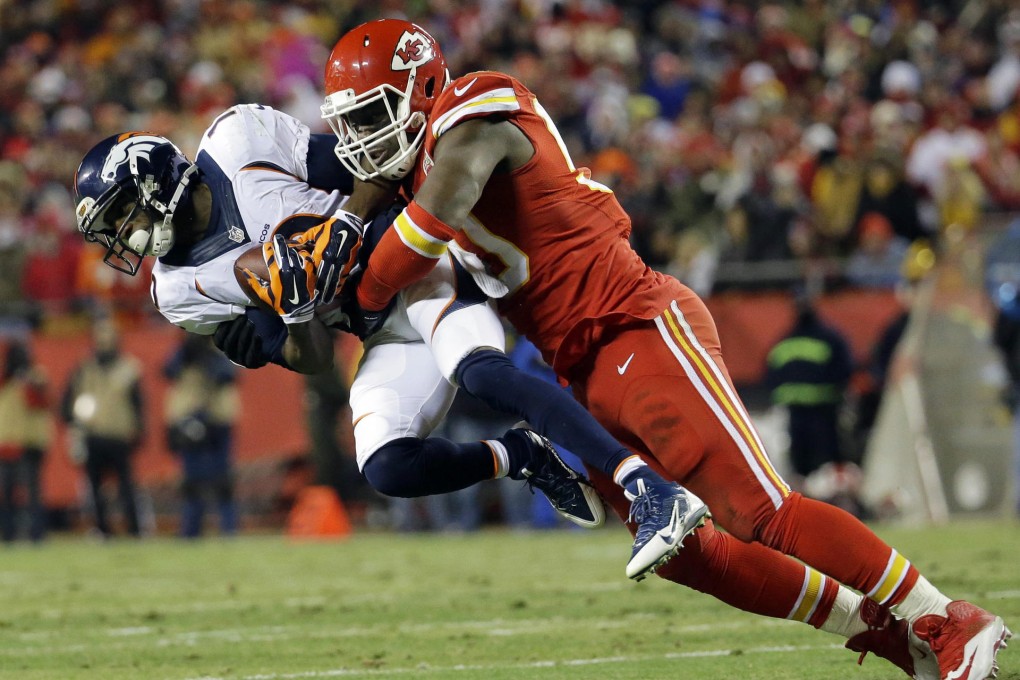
{"type": "Point", "coordinates": [369, 198]}
{"type": "Point", "coordinates": [309, 347]}
{"type": "Point", "coordinates": [466, 157]}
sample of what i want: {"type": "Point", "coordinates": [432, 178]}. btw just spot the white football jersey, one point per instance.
{"type": "Point", "coordinates": [254, 159]}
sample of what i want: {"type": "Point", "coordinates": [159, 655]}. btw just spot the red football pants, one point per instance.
{"type": "Point", "coordinates": [661, 388]}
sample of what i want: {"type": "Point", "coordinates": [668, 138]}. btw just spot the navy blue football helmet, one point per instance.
{"type": "Point", "coordinates": [121, 177]}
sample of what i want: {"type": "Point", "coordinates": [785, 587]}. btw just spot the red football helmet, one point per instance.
{"type": "Point", "coordinates": [382, 79]}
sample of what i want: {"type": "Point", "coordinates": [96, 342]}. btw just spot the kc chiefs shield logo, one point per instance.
{"type": "Point", "coordinates": [413, 50]}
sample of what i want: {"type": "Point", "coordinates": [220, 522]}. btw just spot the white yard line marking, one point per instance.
{"type": "Point", "coordinates": [130, 631]}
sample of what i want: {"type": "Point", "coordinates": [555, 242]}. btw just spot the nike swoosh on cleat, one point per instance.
{"type": "Point", "coordinates": [667, 534]}
{"type": "Point", "coordinates": [461, 90]}
{"type": "Point", "coordinates": [623, 369]}
{"type": "Point", "coordinates": [964, 672]}
{"type": "Point", "coordinates": [964, 669]}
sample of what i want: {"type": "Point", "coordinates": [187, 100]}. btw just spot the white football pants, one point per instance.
{"type": "Point", "coordinates": [404, 383]}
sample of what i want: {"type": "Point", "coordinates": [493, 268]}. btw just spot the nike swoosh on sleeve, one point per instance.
{"type": "Point", "coordinates": [461, 90]}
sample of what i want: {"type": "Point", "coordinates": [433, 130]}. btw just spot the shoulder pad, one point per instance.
{"type": "Point", "coordinates": [254, 133]}
{"type": "Point", "coordinates": [476, 95]}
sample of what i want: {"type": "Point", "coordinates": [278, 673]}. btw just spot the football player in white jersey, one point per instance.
{"type": "Point", "coordinates": [260, 177]}
{"type": "Point", "coordinates": [253, 178]}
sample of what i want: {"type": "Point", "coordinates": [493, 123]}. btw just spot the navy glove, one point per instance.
{"type": "Point", "coordinates": [333, 248]}
{"type": "Point", "coordinates": [361, 322]}
{"type": "Point", "coordinates": [239, 340]}
{"type": "Point", "coordinates": [290, 291]}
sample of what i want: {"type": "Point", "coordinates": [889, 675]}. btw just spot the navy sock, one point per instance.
{"type": "Point", "coordinates": [519, 450]}
{"type": "Point", "coordinates": [411, 467]}
{"type": "Point", "coordinates": [490, 376]}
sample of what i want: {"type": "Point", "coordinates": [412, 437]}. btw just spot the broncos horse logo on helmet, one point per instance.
{"type": "Point", "coordinates": [122, 179]}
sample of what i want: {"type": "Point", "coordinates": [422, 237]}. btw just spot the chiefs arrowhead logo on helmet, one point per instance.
{"type": "Point", "coordinates": [413, 50]}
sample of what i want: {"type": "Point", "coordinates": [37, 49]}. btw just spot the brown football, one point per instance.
{"type": "Point", "coordinates": [252, 260]}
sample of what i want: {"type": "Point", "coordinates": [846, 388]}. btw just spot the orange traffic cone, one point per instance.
{"type": "Point", "coordinates": [318, 514]}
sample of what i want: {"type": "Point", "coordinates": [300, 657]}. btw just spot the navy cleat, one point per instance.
{"type": "Point", "coordinates": [665, 514]}
{"type": "Point", "coordinates": [569, 492]}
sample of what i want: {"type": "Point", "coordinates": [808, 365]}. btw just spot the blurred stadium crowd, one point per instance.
{"type": "Point", "coordinates": [733, 132]}
{"type": "Point", "coordinates": [752, 143]}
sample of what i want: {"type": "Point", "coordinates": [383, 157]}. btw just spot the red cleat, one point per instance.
{"type": "Point", "coordinates": [965, 641]}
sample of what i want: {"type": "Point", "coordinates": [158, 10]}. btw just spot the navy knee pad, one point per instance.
{"type": "Point", "coordinates": [411, 467]}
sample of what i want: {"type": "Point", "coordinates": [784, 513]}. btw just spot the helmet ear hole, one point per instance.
{"type": "Point", "coordinates": [430, 87]}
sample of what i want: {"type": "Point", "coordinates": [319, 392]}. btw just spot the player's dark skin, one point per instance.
{"type": "Point", "coordinates": [466, 157]}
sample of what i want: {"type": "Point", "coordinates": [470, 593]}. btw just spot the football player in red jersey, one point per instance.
{"type": "Point", "coordinates": [493, 184]}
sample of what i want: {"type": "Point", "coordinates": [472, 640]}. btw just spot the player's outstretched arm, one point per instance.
{"type": "Point", "coordinates": [309, 347]}
{"type": "Point", "coordinates": [370, 198]}
{"type": "Point", "coordinates": [465, 158]}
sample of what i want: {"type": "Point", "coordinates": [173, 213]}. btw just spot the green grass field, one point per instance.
{"type": "Point", "coordinates": [490, 605]}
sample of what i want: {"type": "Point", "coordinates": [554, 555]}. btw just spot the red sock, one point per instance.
{"type": "Point", "coordinates": [838, 544]}
{"type": "Point", "coordinates": [748, 576]}
{"type": "Point", "coordinates": [751, 577]}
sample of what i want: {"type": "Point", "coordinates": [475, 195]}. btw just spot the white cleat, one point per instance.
{"type": "Point", "coordinates": [666, 514]}
{"type": "Point", "coordinates": [965, 641]}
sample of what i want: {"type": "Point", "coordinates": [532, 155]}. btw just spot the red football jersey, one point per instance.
{"type": "Point", "coordinates": [555, 238]}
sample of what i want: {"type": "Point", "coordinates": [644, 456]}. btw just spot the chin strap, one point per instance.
{"type": "Point", "coordinates": [163, 233]}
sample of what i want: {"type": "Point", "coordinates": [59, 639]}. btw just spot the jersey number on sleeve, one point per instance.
{"type": "Point", "coordinates": [518, 269]}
